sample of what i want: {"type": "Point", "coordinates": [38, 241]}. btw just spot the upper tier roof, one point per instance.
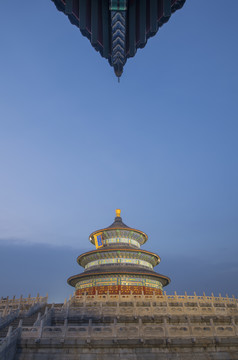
{"type": "Point", "coordinates": [118, 225]}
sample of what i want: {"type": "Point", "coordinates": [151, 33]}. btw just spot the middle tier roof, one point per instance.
{"type": "Point", "coordinates": [118, 256]}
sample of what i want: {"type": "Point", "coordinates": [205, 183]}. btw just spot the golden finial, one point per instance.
{"type": "Point", "coordinates": [118, 213]}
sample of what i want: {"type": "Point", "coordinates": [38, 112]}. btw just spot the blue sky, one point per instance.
{"type": "Point", "coordinates": [161, 145]}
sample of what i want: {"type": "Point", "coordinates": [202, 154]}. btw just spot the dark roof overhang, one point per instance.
{"type": "Point", "coordinates": [138, 21]}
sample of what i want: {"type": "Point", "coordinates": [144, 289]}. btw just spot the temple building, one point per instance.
{"type": "Point", "coordinates": [119, 311]}
{"type": "Point", "coordinates": [118, 264]}
{"type": "Point", "coordinates": [117, 28]}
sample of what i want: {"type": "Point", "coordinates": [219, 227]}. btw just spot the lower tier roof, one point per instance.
{"type": "Point", "coordinates": [117, 272]}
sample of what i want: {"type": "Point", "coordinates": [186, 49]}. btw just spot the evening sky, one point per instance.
{"type": "Point", "coordinates": [161, 145]}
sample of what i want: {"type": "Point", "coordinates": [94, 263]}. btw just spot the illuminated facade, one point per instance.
{"type": "Point", "coordinates": [118, 265]}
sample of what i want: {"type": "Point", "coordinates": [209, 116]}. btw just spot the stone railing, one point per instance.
{"type": "Point", "coordinates": [14, 314]}
{"type": "Point", "coordinates": [33, 309]}
{"type": "Point", "coordinates": [45, 319]}
{"type": "Point", "coordinates": [160, 298]}
{"type": "Point", "coordinates": [131, 331]}
{"type": "Point", "coordinates": [4, 321]}
{"type": "Point", "coordinates": [11, 303]}
{"type": "Point", "coordinates": [7, 306]}
{"type": "Point", "coordinates": [8, 344]}
{"type": "Point", "coordinates": [152, 305]}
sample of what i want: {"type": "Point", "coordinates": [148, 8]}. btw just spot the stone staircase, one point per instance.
{"type": "Point", "coordinates": [26, 321]}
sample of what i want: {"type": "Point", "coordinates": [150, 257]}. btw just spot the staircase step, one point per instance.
{"type": "Point", "coordinates": [26, 321]}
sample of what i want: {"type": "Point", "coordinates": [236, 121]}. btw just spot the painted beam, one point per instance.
{"type": "Point", "coordinates": [82, 14]}
{"type": "Point", "coordinates": [94, 21]}
{"type": "Point", "coordinates": [153, 16]}
{"type": "Point", "coordinates": [142, 20]}
{"type": "Point", "coordinates": [69, 7]}
{"type": "Point", "coordinates": [105, 27]}
{"type": "Point", "coordinates": [132, 28]}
